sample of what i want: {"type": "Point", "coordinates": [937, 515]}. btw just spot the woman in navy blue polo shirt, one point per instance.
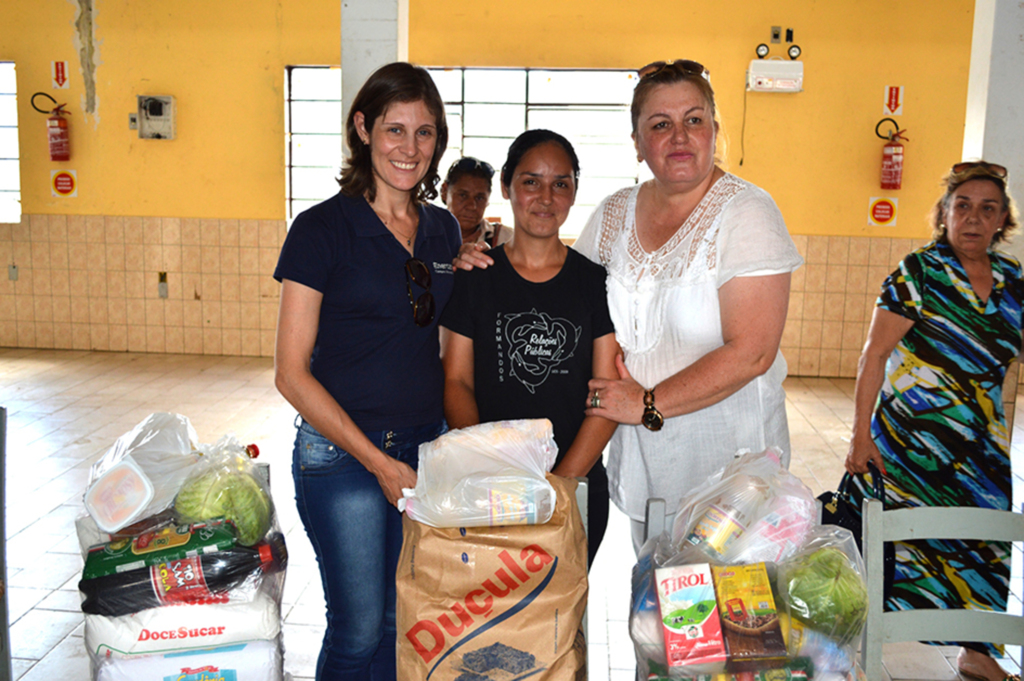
{"type": "Point", "coordinates": [364, 275]}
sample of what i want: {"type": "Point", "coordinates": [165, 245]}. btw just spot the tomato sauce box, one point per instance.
{"type": "Point", "coordinates": [689, 617]}
{"type": "Point", "coordinates": [750, 621]}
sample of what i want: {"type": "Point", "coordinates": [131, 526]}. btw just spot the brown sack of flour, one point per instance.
{"type": "Point", "coordinates": [494, 603]}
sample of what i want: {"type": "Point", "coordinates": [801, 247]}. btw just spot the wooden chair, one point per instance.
{"type": "Point", "coordinates": [931, 625]}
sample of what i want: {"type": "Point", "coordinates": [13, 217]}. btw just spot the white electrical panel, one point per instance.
{"type": "Point", "coordinates": [156, 117]}
{"type": "Point", "coordinates": [775, 75]}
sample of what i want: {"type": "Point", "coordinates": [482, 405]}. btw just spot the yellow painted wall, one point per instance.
{"type": "Point", "coordinates": [208, 207]}
{"type": "Point", "coordinates": [222, 61]}
{"type": "Point", "coordinates": [815, 151]}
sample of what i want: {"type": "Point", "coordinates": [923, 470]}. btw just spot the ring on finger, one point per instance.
{"type": "Point", "coordinates": [595, 401]}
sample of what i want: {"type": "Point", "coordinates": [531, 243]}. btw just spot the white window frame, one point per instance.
{"type": "Point", "coordinates": [305, 127]}
{"type": "Point", "coordinates": [10, 191]}
{"type": "Point", "coordinates": [598, 177]}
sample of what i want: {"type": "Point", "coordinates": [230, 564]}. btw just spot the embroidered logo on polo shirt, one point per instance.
{"type": "Point", "coordinates": [443, 268]}
{"type": "Point", "coordinates": [537, 343]}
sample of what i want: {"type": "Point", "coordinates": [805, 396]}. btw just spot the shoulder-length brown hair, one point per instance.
{"type": "Point", "coordinates": [395, 82]}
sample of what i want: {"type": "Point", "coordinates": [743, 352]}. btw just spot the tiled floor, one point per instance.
{"type": "Point", "coordinates": [66, 408]}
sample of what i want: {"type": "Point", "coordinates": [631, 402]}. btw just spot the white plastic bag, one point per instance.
{"type": "Point", "coordinates": [142, 472]}
{"type": "Point", "coordinates": [751, 511]}
{"type": "Point", "coordinates": [180, 628]}
{"type": "Point", "coordinates": [249, 661]}
{"type": "Point", "coordinates": [491, 474]}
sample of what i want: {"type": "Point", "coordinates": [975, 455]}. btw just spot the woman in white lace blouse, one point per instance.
{"type": "Point", "coordinates": [699, 265]}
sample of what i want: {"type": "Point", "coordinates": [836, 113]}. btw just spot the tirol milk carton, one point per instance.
{"type": "Point", "coordinates": [689, 615]}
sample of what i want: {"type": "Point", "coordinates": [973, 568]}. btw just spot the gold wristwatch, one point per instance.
{"type": "Point", "coordinates": [652, 418]}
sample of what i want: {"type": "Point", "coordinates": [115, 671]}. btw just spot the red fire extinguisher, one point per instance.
{"type": "Point", "coordinates": [57, 131]}
{"type": "Point", "coordinates": [892, 155]}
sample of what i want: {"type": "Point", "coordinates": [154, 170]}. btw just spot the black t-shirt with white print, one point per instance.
{"type": "Point", "coordinates": [532, 342]}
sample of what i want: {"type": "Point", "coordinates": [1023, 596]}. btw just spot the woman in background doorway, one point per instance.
{"type": "Point", "coordinates": [466, 191]}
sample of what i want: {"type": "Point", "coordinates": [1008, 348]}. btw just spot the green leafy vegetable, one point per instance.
{"type": "Point", "coordinates": [826, 593]}
{"type": "Point", "coordinates": [235, 495]}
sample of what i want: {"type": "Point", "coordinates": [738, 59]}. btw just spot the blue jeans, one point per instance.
{"type": "Point", "coordinates": [357, 537]}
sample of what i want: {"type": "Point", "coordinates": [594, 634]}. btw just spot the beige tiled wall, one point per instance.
{"type": "Point", "coordinates": [91, 283]}
{"type": "Point", "coordinates": [832, 299]}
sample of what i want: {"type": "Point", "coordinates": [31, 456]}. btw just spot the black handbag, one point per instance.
{"type": "Point", "coordinates": [838, 508]}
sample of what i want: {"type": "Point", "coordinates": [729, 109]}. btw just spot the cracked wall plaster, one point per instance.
{"type": "Point", "coordinates": [88, 54]}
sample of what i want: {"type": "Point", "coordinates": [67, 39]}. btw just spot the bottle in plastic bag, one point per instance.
{"type": "Point", "coordinates": [491, 501]}
{"type": "Point", "coordinates": [186, 580]}
{"type": "Point", "coordinates": [728, 515]}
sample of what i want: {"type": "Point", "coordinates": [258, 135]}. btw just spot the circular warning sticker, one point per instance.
{"type": "Point", "coordinates": [64, 183]}
{"type": "Point", "coordinates": [882, 211]}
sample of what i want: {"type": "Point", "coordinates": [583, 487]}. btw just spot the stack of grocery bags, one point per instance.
{"type": "Point", "coordinates": [747, 586]}
{"type": "Point", "coordinates": [184, 561]}
{"type": "Point", "coordinates": [492, 579]}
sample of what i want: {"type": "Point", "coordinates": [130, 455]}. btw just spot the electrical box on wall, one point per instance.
{"type": "Point", "coordinates": [775, 75]}
{"type": "Point", "coordinates": [156, 117]}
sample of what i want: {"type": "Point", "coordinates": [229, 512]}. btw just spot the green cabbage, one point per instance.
{"type": "Point", "coordinates": [235, 495]}
{"type": "Point", "coordinates": [826, 593]}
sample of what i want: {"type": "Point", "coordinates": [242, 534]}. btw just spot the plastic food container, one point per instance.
{"type": "Point", "coordinates": [118, 496]}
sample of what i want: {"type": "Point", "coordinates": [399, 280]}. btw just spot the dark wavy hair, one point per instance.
{"type": "Point", "coordinates": [534, 138]}
{"type": "Point", "coordinates": [951, 182]}
{"type": "Point", "coordinates": [391, 83]}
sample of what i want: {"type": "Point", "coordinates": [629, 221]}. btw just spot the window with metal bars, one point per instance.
{"type": "Point", "coordinates": [10, 182]}
{"type": "Point", "coordinates": [312, 135]}
{"type": "Point", "coordinates": [486, 109]}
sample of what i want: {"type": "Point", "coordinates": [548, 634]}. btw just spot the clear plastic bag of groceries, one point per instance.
{"type": "Point", "coordinates": [703, 652]}
{"type": "Point", "coordinates": [141, 473]}
{"type": "Point", "coordinates": [822, 586]}
{"type": "Point", "coordinates": [225, 484]}
{"type": "Point", "coordinates": [752, 510]}
{"type": "Point", "coordinates": [487, 475]}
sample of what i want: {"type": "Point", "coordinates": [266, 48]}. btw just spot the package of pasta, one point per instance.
{"type": "Point", "coordinates": [494, 602]}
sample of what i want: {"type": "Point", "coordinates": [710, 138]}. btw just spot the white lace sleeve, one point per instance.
{"type": "Point", "coordinates": [753, 240]}
{"type": "Point", "coordinates": [590, 237]}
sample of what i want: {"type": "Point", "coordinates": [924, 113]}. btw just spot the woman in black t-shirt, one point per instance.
{"type": "Point", "coordinates": [522, 338]}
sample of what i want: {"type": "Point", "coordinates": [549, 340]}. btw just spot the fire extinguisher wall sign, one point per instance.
{"type": "Point", "coordinates": [57, 132]}
{"type": "Point", "coordinates": [892, 155]}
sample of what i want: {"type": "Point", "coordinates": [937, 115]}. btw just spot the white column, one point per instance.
{"type": "Point", "coordinates": [994, 126]}
{"type": "Point", "coordinates": [373, 33]}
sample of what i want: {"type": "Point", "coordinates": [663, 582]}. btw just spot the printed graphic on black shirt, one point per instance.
{"type": "Point", "coordinates": [534, 343]}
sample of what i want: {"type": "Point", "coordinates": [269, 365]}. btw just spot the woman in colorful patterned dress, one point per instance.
{"type": "Point", "coordinates": [928, 404]}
